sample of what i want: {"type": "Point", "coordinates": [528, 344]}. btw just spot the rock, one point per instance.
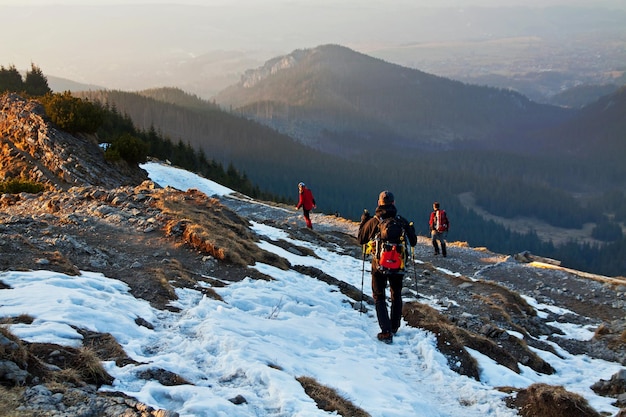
{"type": "Point", "coordinates": [614, 387]}
{"type": "Point", "coordinates": [12, 373]}
{"type": "Point", "coordinates": [239, 399]}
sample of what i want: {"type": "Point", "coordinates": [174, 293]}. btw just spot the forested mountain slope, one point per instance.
{"type": "Point", "coordinates": [337, 99]}
{"type": "Point", "coordinates": [274, 161]}
{"type": "Point", "coordinates": [597, 133]}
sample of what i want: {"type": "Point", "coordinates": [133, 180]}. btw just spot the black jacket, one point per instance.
{"type": "Point", "coordinates": [369, 225]}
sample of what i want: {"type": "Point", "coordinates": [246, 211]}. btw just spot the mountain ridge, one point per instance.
{"type": "Point", "coordinates": [333, 90]}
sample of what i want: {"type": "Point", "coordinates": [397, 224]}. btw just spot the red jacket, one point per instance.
{"type": "Point", "coordinates": [306, 199]}
{"type": "Point", "coordinates": [440, 224]}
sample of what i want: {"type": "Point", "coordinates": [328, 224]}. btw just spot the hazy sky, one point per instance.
{"type": "Point", "coordinates": [145, 43]}
{"type": "Point", "coordinates": [430, 3]}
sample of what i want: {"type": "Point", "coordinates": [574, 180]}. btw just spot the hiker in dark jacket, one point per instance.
{"type": "Point", "coordinates": [368, 229]}
{"type": "Point", "coordinates": [439, 225]}
{"type": "Point", "coordinates": [307, 202]}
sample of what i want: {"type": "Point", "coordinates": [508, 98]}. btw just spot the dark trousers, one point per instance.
{"type": "Point", "coordinates": [307, 218]}
{"type": "Point", "coordinates": [439, 236]}
{"type": "Point", "coordinates": [379, 284]}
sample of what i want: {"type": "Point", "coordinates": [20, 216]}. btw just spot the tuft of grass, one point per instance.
{"type": "Point", "coordinates": [551, 401]}
{"type": "Point", "coordinates": [14, 351]}
{"type": "Point", "coordinates": [162, 278]}
{"type": "Point", "coordinates": [88, 365]}
{"type": "Point", "coordinates": [614, 335]}
{"type": "Point", "coordinates": [105, 347]}
{"type": "Point", "coordinates": [328, 399]}
{"type": "Point", "coordinates": [61, 263]}
{"type": "Point", "coordinates": [21, 319]}
{"type": "Point", "coordinates": [211, 228]}
{"type": "Point", "coordinates": [82, 366]}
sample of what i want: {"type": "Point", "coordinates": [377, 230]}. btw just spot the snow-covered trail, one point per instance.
{"type": "Point", "coordinates": [267, 333]}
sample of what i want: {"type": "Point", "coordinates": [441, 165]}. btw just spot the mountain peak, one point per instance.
{"type": "Point", "coordinates": [326, 94]}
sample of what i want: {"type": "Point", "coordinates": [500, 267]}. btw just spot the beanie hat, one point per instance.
{"type": "Point", "coordinates": [385, 197]}
{"type": "Point", "coordinates": [301, 184]}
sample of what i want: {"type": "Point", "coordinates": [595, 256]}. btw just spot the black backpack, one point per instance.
{"type": "Point", "coordinates": [391, 246]}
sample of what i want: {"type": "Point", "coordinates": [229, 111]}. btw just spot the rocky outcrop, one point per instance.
{"type": "Point", "coordinates": [32, 148]}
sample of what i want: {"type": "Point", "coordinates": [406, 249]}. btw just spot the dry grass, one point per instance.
{"type": "Point", "coordinates": [174, 271]}
{"type": "Point", "coordinates": [614, 281]}
{"type": "Point", "coordinates": [458, 244]}
{"type": "Point", "coordinates": [55, 366]}
{"type": "Point", "coordinates": [77, 366]}
{"type": "Point", "coordinates": [508, 299]}
{"type": "Point", "coordinates": [209, 227]}
{"type": "Point", "coordinates": [21, 319]}
{"type": "Point", "coordinates": [452, 340]}
{"type": "Point", "coordinates": [21, 354]}
{"type": "Point", "coordinates": [105, 347]}
{"type": "Point", "coordinates": [449, 340]}
{"type": "Point", "coordinates": [615, 335]}
{"type": "Point", "coordinates": [58, 262]}
{"type": "Point", "coordinates": [162, 278]}
{"type": "Point", "coordinates": [10, 400]}
{"type": "Point", "coordinates": [506, 309]}
{"type": "Point", "coordinates": [542, 400]}
{"type": "Point", "coordinates": [89, 367]}
{"type": "Point", "coordinates": [16, 352]}
{"type": "Point", "coordinates": [328, 399]}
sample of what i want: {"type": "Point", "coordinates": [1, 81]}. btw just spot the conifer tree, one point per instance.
{"type": "Point", "coordinates": [10, 79]}
{"type": "Point", "coordinates": [36, 83]}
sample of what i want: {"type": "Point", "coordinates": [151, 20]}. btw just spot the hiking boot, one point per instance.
{"type": "Point", "coordinates": [385, 337]}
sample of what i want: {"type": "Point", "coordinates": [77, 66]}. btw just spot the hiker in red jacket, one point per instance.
{"type": "Point", "coordinates": [307, 202]}
{"type": "Point", "coordinates": [439, 228]}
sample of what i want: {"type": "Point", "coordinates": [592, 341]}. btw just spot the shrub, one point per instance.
{"type": "Point", "coordinates": [129, 148]}
{"type": "Point", "coordinates": [73, 114]}
{"type": "Point", "coordinates": [20, 185]}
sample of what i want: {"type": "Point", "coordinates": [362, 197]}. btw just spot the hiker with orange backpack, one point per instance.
{"type": "Point", "coordinates": [439, 225]}
{"type": "Point", "coordinates": [388, 235]}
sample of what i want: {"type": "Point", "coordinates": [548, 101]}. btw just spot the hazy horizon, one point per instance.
{"type": "Point", "coordinates": [204, 45]}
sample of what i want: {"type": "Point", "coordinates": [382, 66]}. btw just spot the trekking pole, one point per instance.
{"type": "Point", "coordinates": [362, 279]}
{"type": "Point", "coordinates": [414, 266]}
{"type": "Point", "coordinates": [414, 270]}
